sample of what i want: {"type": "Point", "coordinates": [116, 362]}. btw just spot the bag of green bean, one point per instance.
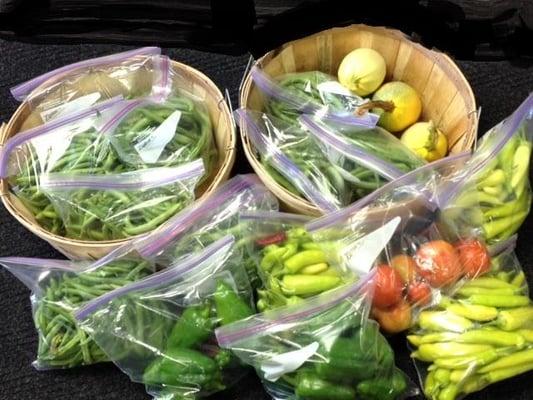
{"type": "Point", "coordinates": [366, 157]}
{"type": "Point", "coordinates": [202, 223]}
{"type": "Point", "coordinates": [491, 195]}
{"type": "Point", "coordinates": [58, 288]}
{"type": "Point", "coordinates": [160, 330]}
{"type": "Point", "coordinates": [163, 130]}
{"type": "Point", "coordinates": [312, 92]}
{"type": "Point", "coordinates": [68, 144]}
{"type": "Point", "coordinates": [115, 206]}
{"type": "Point", "coordinates": [292, 158]}
{"type": "Point", "coordinates": [78, 86]}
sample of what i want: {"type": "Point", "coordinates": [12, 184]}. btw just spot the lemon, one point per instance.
{"type": "Point", "coordinates": [426, 140]}
{"type": "Point", "coordinates": [362, 71]}
{"type": "Point", "coordinates": [400, 106]}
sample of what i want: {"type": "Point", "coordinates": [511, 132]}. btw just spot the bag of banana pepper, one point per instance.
{"type": "Point", "coordinates": [159, 330]}
{"type": "Point", "coordinates": [424, 258]}
{"type": "Point", "coordinates": [491, 195]}
{"type": "Point", "coordinates": [324, 348]}
{"type": "Point", "coordinates": [479, 334]}
{"type": "Point", "coordinates": [81, 85]}
{"type": "Point", "coordinates": [58, 288]}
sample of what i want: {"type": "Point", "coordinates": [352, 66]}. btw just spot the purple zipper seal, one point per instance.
{"type": "Point", "coordinates": [376, 164]}
{"type": "Point", "coordinates": [274, 216]}
{"type": "Point", "coordinates": [164, 88]}
{"type": "Point", "coordinates": [341, 215]}
{"type": "Point", "coordinates": [288, 315]}
{"type": "Point", "coordinates": [157, 279]}
{"type": "Point", "coordinates": [49, 127]}
{"type": "Point", "coordinates": [44, 263]}
{"type": "Point", "coordinates": [20, 91]}
{"type": "Point", "coordinates": [286, 166]}
{"type": "Point", "coordinates": [119, 181]}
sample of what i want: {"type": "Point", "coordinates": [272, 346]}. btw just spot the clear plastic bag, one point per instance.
{"type": "Point", "coordinates": [202, 223]}
{"type": "Point", "coordinates": [294, 160]}
{"type": "Point", "coordinates": [69, 144]}
{"type": "Point", "coordinates": [58, 288]}
{"type": "Point", "coordinates": [164, 130]}
{"type": "Point", "coordinates": [492, 194]}
{"type": "Point", "coordinates": [115, 206]}
{"type": "Point", "coordinates": [366, 157]}
{"type": "Point", "coordinates": [424, 258]}
{"type": "Point", "coordinates": [159, 330]}
{"type": "Point", "coordinates": [478, 335]}
{"type": "Point", "coordinates": [325, 348]}
{"type": "Point", "coordinates": [81, 85]}
{"type": "Point", "coordinates": [312, 92]}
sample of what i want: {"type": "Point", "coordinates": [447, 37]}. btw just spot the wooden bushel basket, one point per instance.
{"type": "Point", "coordinates": [447, 98]}
{"type": "Point", "coordinates": [224, 137]}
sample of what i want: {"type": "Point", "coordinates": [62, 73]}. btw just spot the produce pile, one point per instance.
{"type": "Point", "coordinates": [68, 169]}
{"type": "Point", "coordinates": [207, 291]}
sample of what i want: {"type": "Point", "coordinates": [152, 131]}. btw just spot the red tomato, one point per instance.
{"type": "Point", "coordinates": [395, 319]}
{"type": "Point", "coordinates": [474, 257]}
{"type": "Point", "coordinates": [438, 263]}
{"type": "Point", "coordinates": [388, 289]}
{"type": "Point", "coordinates": [405, 266]}
{"type": "Point", "coordinates": [419, 293]}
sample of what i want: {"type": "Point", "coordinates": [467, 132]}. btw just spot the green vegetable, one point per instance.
{"type": "Point", "coordinates": [471, 361]}
{"type": "Point", "coordinates": [310, 386]}
{"type": "Point", "coordinates": [308, 284]}
{"type": "Point", "coordinates": [443, 321]}
{"type": "Point", "coordinates": [229, 306]}
{"type": "Point", "coordinates": [509, 320]}
{"type": "Point", "coordinates": [521, 357]}
{"type": "Point", "coordinates": [432, 351]}
{"type": "Point", "coordinates": [62, 344]}
{"type": "Point", "coordinates": [193, 328]}
{"type": "Point", "coordinates": [499, 300]}
{"type": "Point", "coordinates": [383, 388]}
{"type": "Point", "coordinates": [303, 259]}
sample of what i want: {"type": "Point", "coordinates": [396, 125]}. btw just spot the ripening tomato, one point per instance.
{"type": "Point", "coordinates": [405, 266]}
{"type": "Point", "coordinates": [438, 263]}
{"type": "Point", "coordinates": [388, 288]}
{"type": "Point", "coordinates": [395, 319]}
{"type": "Point", "coordinates": [419, 293]}
{"type": "Point", "coordinates": [474, 257]}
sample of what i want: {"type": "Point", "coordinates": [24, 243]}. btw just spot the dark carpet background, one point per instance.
{"type": "Point", "coordinates": [499, 88]}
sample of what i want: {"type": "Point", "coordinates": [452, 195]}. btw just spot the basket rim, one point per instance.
{"type": "Point", "coordinates": [222, 174]}
{"type": "Point", "coordinates": [443, 59]}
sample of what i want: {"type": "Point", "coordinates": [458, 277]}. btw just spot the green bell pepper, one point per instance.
{"type": "Point", "coordinates": [193, 327]}
{"type": "Point", "coordinates": [229, 306]}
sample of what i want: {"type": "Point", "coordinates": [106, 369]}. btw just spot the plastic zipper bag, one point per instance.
{"type": "Point", "coordinates": [312, 92]}
{"type": "Point", "coordinates": [294, 160]}
{"type": "Point", "coordinates": [479, 335]}
{"type": "Point", "coordinates": [83, 84]}
{"type": "Point", "coordinates": [58, 288]}
{"type": "Point", "coordinates": [68, 144]}
{"type": "Point", "coordinates": [202, 223]}
{"type": "Point", "coordinates": [159, 330]}
{"type": "Point", "coordinates": [115, 206]}
{"type": "Point", "coordinates": [492, 194]}
{"type": "Point", "coordinates": [366, 157]}
{"type": "Point", "coordinates": [164, 130]}
{"type": "Point", "coordinates": [325, 348]}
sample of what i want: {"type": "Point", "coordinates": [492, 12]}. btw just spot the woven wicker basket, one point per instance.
{"type": "Point", "coordinates": [225, 140]}
{"type": "Point", "coordinates": [446, 95]}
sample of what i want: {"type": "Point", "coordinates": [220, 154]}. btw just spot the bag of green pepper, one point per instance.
{"type": "Point", "coordinates": [159, 330]}
{"type": "Point", "coordinates": [58, 288]}
{"type": "Point", "coordinates": [479, 335]}
{"type": "Point", "coordinates": [491, 195]}
{"type": "Point", "coordinates": [294, 160]}
{"type": "Point", "coordinates": [311, 92]}
{"type": "Point", "coordinates": [325, 348]}
{"type": "Point", "coordinates": [203, 223]}
{"type": "Point", "coordinates": [115, 206]}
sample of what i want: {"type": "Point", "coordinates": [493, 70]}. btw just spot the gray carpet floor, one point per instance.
{"type": "Point", "coordinates": [499, 88]}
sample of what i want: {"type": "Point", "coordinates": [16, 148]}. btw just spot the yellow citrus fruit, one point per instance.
{"type": "Point", "coordinates": [426, 140]}
{"type": "Point", "coordinates": [405, 106]}
{"type": "Point", "coordinates": [362, 71]}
